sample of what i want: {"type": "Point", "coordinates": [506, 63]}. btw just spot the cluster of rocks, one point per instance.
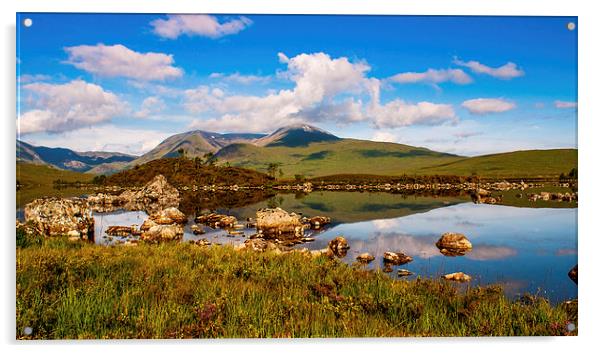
{"type": "Point", "coordinates": [61, 216]}
{"type": "Point", "coordinates": [466, 186]}
{"type": "Point", "coordinates": [156, 195]}
{"type": "Point", "coordinates": [553, 196]}
{"type": "Point", "coordinates": [480, 195]}
{"type": "Point", "coordinates": [165, 225]}
{"type": "Point", "coordinates": [215, 220]}
{"type": "Point", "coordinates": [316, 222]}
{"type": "Point", "coordinates": [305, 187]}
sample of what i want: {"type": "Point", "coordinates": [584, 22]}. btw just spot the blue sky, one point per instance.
{"type": "Point", "coordinates": [465, 85]}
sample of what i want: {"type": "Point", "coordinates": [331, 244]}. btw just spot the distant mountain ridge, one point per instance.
{"type": "Point", "coordinates": [67, 159]}
{"type": "Point", "coordinates": [195, 143]}
{"type": "Point", "coordinates": [305, 151]}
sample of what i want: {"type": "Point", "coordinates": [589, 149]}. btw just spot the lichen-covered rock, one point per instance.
{"type": "Point", "coordinates": [457, 276]}
{"type": "Point", "coordinates": [163, 232]}
{"type": "Point", "coordinates": [170, 215]}
{"type": "Point", "coordinates": [260, 245]}
{"type": "Point", "coordinates": [396, 258]}
{"type": "Point", "coordinates": [317, 222]}
{"type": "Point", "coordinates": [216, 220]}
{"type": "Point", "coordinates": [57, 216]}
{"type": "Point", "coordinates": [338, 246]}
{"type": "Point", "coordinates": [276, 221]}
{"type": "Point", "coordinates": [365, 258]}
{"type": "Point", "coordinates": [404, 273]}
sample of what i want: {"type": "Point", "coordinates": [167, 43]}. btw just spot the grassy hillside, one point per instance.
{"type": "Point", "coordinates": [185, 171]}
{"type": "Point", "coordinates": [335, 157]}
{"type": "Point", "coordinates": [534, 163]}
{"type": "Point", "coordinates": [348, 156]}
{"type": "Point", "coordinates": [66, 291]}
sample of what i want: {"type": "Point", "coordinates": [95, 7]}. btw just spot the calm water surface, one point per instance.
{"type": "Point", "coordinates": [524, 249]}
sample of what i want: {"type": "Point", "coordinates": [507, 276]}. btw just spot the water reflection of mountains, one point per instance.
{"type": "Point", "coordinates": [342, 207]}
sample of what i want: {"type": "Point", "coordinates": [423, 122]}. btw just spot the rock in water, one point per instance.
{"type": "Point", "coordinates": [457, 276]}
{"type": "Point", "coordinates": [396, 258]}
{"type": "Point", "coordinates": [454, 244]}
{"type": "Point", "coordinates": [56, 216]}
{"type": "Point", "coordinates": [318, 222]}
{"type": "Point", "coordinates": [162, 232]}
{"type": "Point", "coordinates": [404, 273]}
{"type": "Point", "coordinates": [170, 215]}
{"type": "Point", "coordinates": [276, 221]}
{"type": "Point", "coordinates": [365, 258]}
{"type": "Point", "coordinates": [156, 195]}
{"type": "Point", "coordinates": [338, 246]}
{"type": "Point", "coordinates": [573, 274]}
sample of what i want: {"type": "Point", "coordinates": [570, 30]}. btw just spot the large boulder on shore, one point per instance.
{"type": "Point", "coordinates": [453, 244]}
{"type": "Point", "coordinates": [57, 216]}
{"type": "Point", "coordinates": [276, 221]}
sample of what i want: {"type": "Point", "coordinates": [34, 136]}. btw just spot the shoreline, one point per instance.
{"type": "Point", "coordinates": [349, 301]}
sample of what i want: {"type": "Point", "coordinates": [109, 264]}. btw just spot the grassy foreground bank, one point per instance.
{"type": "Point", "coordinates": [67, 290]}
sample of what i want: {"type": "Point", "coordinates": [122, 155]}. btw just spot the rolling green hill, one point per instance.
{"type": "Point", "coordinates": [533, 163]}
{"type": "Point", "coordinates": [335, 157]}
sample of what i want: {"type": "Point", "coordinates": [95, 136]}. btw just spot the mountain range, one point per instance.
{"type": "Point", "coordinates": [306, 150]}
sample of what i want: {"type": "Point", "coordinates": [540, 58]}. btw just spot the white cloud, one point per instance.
{"type": "Point", "coordinates": [241, 79]}
{"type": "Point", "coordinates": [106, 137]}
{"type": "Point", "coordinates": [283, 58]}
{"type": "Point", "coordinates": [433, 76]}
{"type": "Point", "coordinates": [69, 106]}
{"type": "Point", "coordinates": [120, 61]}
{"type": "Point", "coordinates": [565, 105]}
{"type": "Point", "coordinates": [318, 79]}
{"type": "Point", "coordinates": [482, 106]}
{"type": "Point", "coordinates": [198, 25]}
{"type": "Point", "coordinates": [398, 113]}
{"type": "Point", "coordinates": [150, 105]}
{"type": "Point", "coordinates": [384, 136]}
{"type": "Point", "coordinates": [505, 72]}
{"type": "Point", "coordinates": [26, 78]}
{"type": "Point", "coordinates": [325, 90]}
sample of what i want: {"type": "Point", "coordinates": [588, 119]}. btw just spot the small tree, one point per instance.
{"type": "Point", "coordinates": [273, 169]}
{"type": "Point", "coordinates": [209, 158]}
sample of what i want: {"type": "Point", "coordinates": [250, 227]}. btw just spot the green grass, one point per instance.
{"type": "Point", "coordinates": [178, 290]}
{"type": "Point", "coordinates": [343, 156]}
{"type": "Point", "coordinates": [534, 163]}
